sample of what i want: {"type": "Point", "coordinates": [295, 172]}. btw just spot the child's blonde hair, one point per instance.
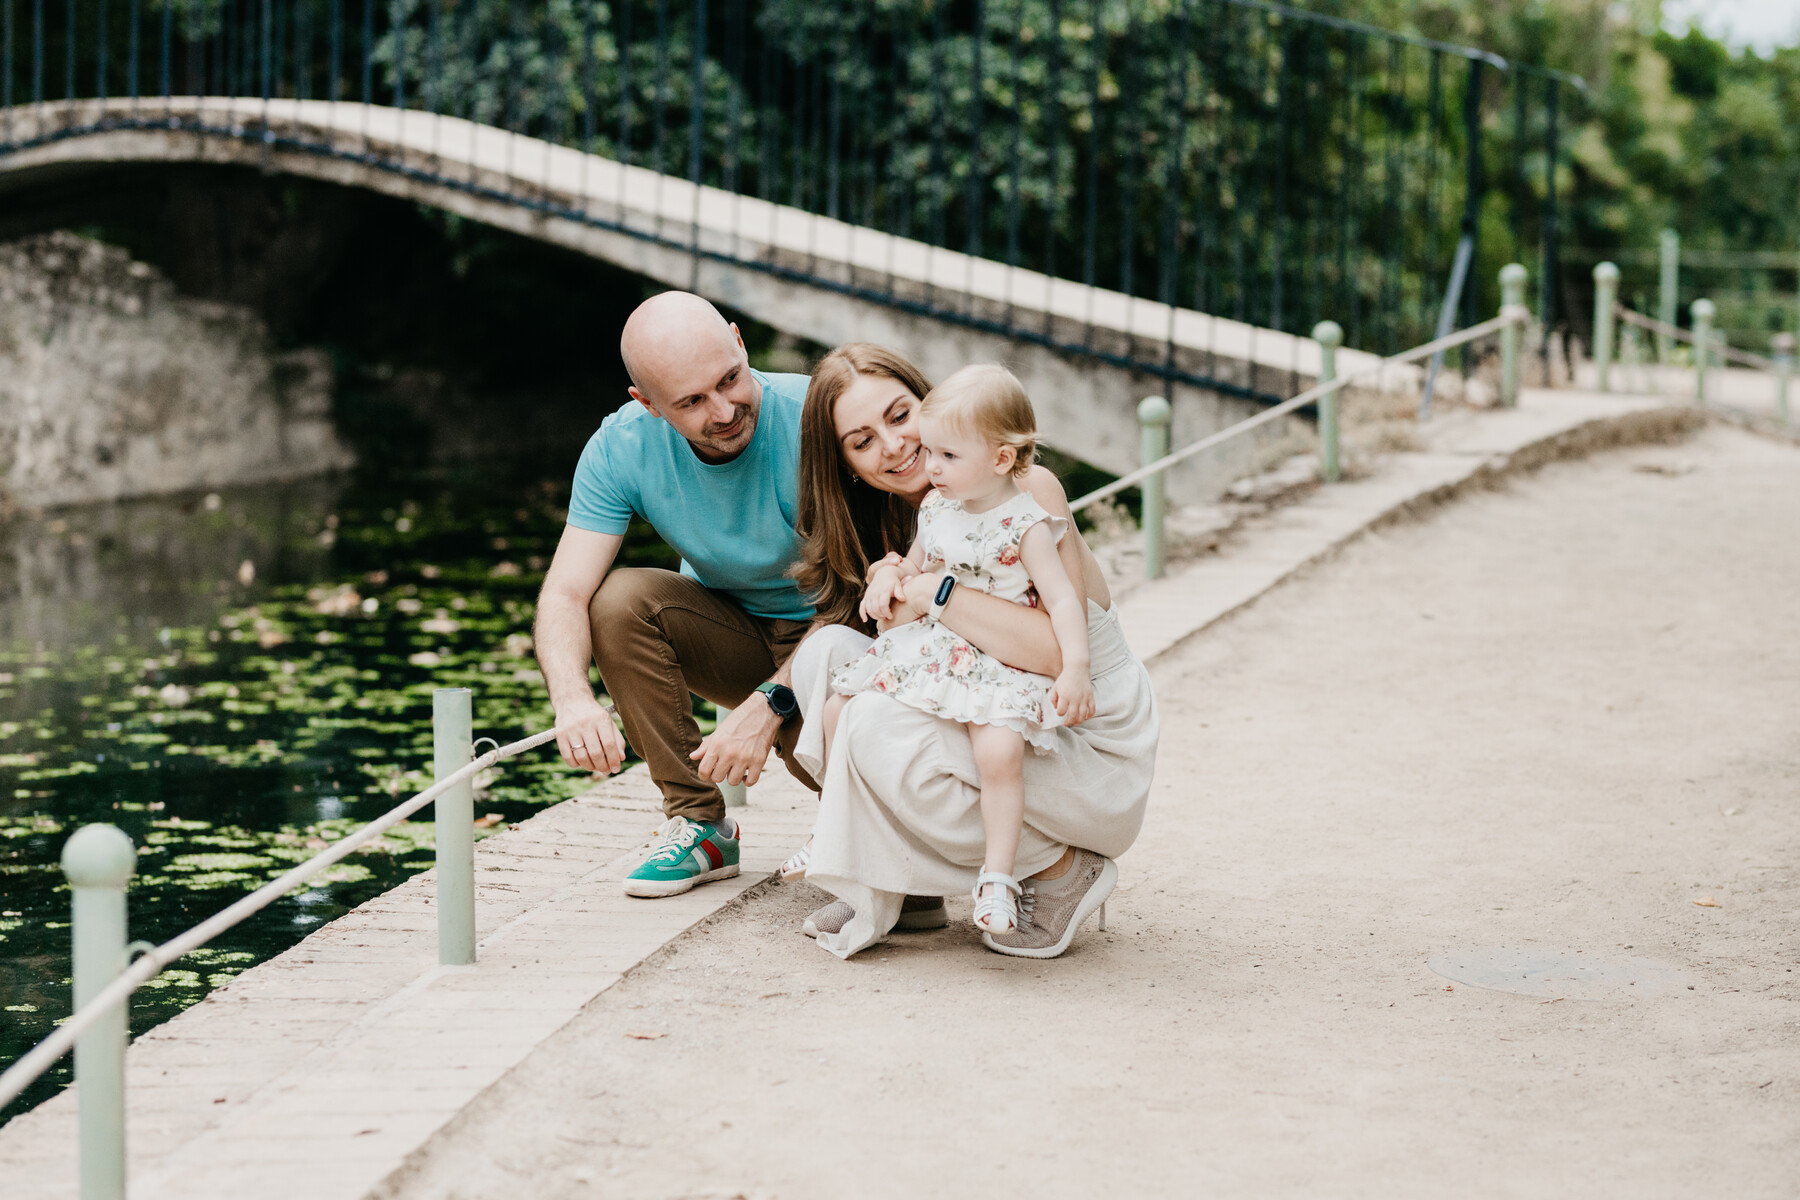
{"type": "Point", "coordinates": [988, 400]}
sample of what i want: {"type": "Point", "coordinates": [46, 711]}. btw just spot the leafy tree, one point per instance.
{"type": "Point", "coordinates": [1676, 131]}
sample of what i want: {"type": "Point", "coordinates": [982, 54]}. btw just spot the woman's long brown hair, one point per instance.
{"type": "Point", "coordinates": [846, 523]}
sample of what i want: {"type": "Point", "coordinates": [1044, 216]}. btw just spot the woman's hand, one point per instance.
{"type": "Point", "coordinates": [884, 587]}
{"type": "Point", "coordinates": [913, 598]}
{"type": "Point", "coordinates": [1073, 695]}
{"type": "Point", "coordinates": [890, 559]}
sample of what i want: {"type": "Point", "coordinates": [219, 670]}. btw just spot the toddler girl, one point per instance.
{"type": "Point", "coordinates": [978, 529]}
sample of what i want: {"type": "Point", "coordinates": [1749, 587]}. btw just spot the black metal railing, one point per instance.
{"type": "Point", "coordinates": [1240, 158]}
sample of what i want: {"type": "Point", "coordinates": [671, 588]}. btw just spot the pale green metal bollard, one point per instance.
{"type": "Point", "coordinates": [1606, 296]}
{"type": "Point", "coordinates": [1669, 301]}
{"type": "Point", "coordinates": [736, 794]}
{"type": "Point", "coordinates": [1783, 345]}
{"type": "Point", "coordinates": [1154, 415]}
{"type": "Point", "coordinates": [1329, 335]}
{"type": "Point", "coordinates": [1702, 312]}
{"type": "Point", "coordinates": [453, 748]}
{"type": "Point", "coordinates": [1631, 357]}
{"type": "Point", "coordinates": [1512, 299]}
{"type": "Point", "coordinates": [98, 861]}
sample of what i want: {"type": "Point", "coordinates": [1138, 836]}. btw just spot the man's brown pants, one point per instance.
{"type": "Point", "coordinates": [659, 636]}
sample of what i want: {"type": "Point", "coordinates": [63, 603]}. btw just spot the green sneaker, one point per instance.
{"type": "Point", "coordinates": [685, 853]}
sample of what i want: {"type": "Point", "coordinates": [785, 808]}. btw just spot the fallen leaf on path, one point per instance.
{"type": "Point", "coordinates": [1707, 902]}
{"type": "Point", "coordinates": [644, 1035]}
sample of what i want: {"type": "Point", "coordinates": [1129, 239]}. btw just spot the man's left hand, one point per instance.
{"type": "Point", "coordinates": [738, 749]}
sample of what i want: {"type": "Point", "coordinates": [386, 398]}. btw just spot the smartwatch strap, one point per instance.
{"type": "Point", "coordinates": [942, 597]}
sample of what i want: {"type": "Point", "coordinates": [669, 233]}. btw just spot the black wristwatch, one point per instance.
{"type": "Point", "coordinates": [781, 699]}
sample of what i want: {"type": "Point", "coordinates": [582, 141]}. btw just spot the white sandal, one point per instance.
{"type": "Point", "coordinates": [795, 867]}
{"type": "Point", "coordinates": [998, 911]}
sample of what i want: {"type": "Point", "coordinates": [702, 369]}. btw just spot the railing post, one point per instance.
{"type": "Point", "coordinates": [98, 861]}
{"type": "Point", "coordinates": [1783, 345]}
{"type": "Point", "coordinates": [736, 794]}
{"type": "Point", "coordinates": [1154, 414]}
{"type": "Point", "coordinates": [1606, 296]}
{"type": "Point", "coordinates": [1702, 312]}
{"type": "Point", "coordinates": [453, 746]}
{"type": "Point", "coordinates": [1329, 335]}
{"type": "Point", "coordinates": [1669, 301]}
{"type": "Point", "coordinates": [1512, 299]}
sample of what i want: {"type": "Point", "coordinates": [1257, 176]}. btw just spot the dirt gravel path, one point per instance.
{"type": "Point", "coordinates": [1553, 716]}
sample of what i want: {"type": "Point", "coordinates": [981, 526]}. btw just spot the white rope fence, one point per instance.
{"type": "Point", "coordinates": [44, 1055]}
{"type": "Point", "coordinates": [1729, 352]}
{"type": "Point", "coordinates": [1512, 315]}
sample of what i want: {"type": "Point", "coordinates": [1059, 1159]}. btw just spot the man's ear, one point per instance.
{"type": "Point", "coordinates": [1004, 460]}
{"type": "Point", "coordinates": [738, 334]}
{"type": "Point", "coordinates": [643, 400]}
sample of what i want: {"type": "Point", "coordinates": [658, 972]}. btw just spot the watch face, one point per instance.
{"type": "Point", "coordinates": [782, 700]}
{"type": "Point", "coordinates": [944, 590]}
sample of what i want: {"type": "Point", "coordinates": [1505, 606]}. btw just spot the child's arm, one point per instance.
{"type": "Point", "coordinates": [1073, 694]}
{"type": "Point", "coordinates": [884, 583]}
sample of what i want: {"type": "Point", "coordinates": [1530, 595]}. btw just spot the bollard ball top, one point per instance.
{"type": "Point", "coordinates": [1154, 410]}
{"type": "Point", "coordinates": [1703, 309]}
{"type": "Point", "coordinates": [1606, 272]}
{"type": "Point", "coordinates": [98, 856]}
{"type": "Point", "coordinates": [1328, 333]}
{"type": "Point", "coordinates": [1513, 273]}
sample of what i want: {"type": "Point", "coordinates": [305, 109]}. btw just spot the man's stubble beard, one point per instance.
{"type": "Point", "coordinates": [745, 413]}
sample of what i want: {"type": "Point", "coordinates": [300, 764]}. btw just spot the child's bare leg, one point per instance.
{"type": "Point", "coordinates": [1000, 757]}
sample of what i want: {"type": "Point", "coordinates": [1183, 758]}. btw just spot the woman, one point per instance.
{"type": "Point", "coordinates": [899, 812]}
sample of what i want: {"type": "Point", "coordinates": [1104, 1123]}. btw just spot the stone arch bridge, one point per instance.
{"type": "Point", "coordinates": [1086, 354]}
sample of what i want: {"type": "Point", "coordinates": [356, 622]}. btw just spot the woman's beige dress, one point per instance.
{"type": "Point", "coordinates": [900, 810]}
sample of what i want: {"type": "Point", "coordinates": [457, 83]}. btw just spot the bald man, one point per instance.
{"type": "Point", "coordinates": [709, 456]}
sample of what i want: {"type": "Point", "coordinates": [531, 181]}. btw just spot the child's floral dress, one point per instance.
{"type": "Point", "coordinates": [924, 664]}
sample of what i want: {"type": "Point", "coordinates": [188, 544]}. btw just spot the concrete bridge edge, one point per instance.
{"type": "Point", "coordinates": [1086, 409]}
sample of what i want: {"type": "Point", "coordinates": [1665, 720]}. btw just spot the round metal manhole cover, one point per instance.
{"type": "Point", "coordinates": [1556, 974]}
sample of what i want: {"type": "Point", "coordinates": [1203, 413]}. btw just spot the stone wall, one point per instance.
{"type": "Point", "coordinates": [112, 385]}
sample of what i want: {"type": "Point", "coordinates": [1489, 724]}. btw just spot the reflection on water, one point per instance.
{"type": "Point", "coordinates": [236, 680]}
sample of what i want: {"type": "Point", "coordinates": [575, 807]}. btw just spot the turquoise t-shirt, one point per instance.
{"type": "Point", "coordinates": [732, 523]}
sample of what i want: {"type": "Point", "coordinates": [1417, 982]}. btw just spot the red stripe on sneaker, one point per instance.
{"type": "Point", "coordinates": [712, 853]}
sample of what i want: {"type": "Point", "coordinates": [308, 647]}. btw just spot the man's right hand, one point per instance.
{"type": "Point", "coordinates": [588, 738]}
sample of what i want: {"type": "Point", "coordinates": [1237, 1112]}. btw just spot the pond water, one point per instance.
{"type": "Point", "coordinates": [237, 679]}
